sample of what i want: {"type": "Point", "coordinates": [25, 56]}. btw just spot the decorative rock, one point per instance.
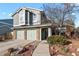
{"type": "Point", "coordinates": [72, 48]}
{"type": "Point", "coordinates": [51, 47]}
{"type": "Point", "coordinates": [73, 54]}
{"type": "Point", "coordinates": [77, 50]}
{"type": "Point", "coordinates": [70, 44]}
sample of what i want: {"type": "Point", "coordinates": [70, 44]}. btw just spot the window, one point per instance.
{"type": "Point", "coordinates": [30, 18]}
{"type": "Point", "coordinates": [26, 17]}
{"type": "Point", "coordinates": [34, 15]}
{"type": "Point", "coordinates": [34, 18]}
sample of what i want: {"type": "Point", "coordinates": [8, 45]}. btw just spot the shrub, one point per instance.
{"type": "Point", "coordinates": [57, 39]}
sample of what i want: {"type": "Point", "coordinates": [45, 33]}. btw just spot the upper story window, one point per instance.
{"type": "Point", "coordinates": [26, 16]}
{"type": "Point", "coordinates": [34, 15]}
{"type": "Point", "coordinates": [34, 18]}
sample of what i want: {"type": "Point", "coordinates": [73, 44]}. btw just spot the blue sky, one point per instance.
{"type": "Point", "coordinates": [6, 9]}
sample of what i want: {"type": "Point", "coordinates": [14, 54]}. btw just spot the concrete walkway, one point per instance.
{"type": "Point", "coordinates": [42, 49]}
{"type": "Point", "coordinates": [13, 43]}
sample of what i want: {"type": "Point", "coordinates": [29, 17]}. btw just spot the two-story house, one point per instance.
{"type": "Point", "coordinates": [31, 24]}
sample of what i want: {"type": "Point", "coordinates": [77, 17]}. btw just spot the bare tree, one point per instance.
{"type": "Point", "coordinates": [59, 13]}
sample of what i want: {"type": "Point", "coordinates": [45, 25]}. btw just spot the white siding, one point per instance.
{"type": "Point", "coordinates": [37, 20]}
{"type": "Point", "coordinates": [49, 32]}
{"type": "Point", "coordinates": [16, 20]}
{"type": "Point", "coordinates": [19, 18]}
{"type": "Point", "coordinates": [22, 17]}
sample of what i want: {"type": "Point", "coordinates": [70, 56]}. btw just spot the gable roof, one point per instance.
{"type": "Point", "coordinates": [25, 8]}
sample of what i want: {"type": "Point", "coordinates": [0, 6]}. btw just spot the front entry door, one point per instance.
{"type": "Point", "coordinates": [44, 33]}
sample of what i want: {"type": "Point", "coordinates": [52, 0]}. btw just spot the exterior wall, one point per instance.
{"type": "Point", "coordinates": [37, 19]}
{"type": "Point", "coordinates": [19, 18]}
{"type": "Point", "coordinates": [22, 17]}
{"type": "Point", "coordinates": [23, 34]}
{"type": "Point", "coordinates": [49, 32]}
{"type": "Point", "coordinates": [38, 34]}
{"type": "Point", "coordinates": [14, 34]}
{"type": "Point", "coordinates": [16, 20]}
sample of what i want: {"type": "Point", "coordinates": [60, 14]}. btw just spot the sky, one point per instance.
{"type": "Point", "coordinates": [7, 9]}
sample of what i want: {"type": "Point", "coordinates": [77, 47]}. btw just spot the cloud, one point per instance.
{"type": "Point", "coordinates": [73, 14]}
{"type": "Point", "coordinates": [10, 14]}
{"type": "Point", "coordinates": [5, 15]}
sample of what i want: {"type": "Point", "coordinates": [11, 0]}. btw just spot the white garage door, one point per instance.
{"type": "Point", "coordinates": [31, 34]}
{"type": "Point", "coordinates": [20, 35]}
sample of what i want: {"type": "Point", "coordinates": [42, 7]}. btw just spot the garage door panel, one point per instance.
{"type": "Point", "coordinates": [31, 34]}
{"type": "Point", "coordinates": [20, 35]}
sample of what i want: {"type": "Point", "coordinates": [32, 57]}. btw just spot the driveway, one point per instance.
{"type": "Point", "coordinates": [12, 43]}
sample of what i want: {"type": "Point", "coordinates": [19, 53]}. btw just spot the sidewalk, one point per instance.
{"type": "Point", "coordinates": [42, 49]}
{"type": "Point", "coordinates": [14, 43]}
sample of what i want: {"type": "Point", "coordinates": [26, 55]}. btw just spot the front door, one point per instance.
{"type": "Point", "coordinates": [44, 33]}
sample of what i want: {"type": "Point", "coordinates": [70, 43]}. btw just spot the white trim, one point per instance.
{"type": "Point", "coordinates": [26, 8]}
{"type": "Point", "coordinates": [34, 26]}
{"type": "Point", "coordinates": [15, 25]}
{"type": "Point", "coordinates": [40, 34]}
{"type": "Point", "coordinates": [28, 18]}
{"type": "Point", "coordinates": [49, 32]}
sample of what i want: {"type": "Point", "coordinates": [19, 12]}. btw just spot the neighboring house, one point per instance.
{"type": "Point", "coordinates": [6, 29]}
{"type": "Point", "coordinates": [31, 24]}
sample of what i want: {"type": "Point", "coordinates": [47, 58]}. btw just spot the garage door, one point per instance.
{"type": "Point", "coordinates": [31, 34]}
{"type": "Point", "coordinates": [20, 35]}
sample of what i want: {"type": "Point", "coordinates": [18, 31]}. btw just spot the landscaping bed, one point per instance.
{"type": "Point", "coordinates": [27, 50]}
{"type": "Point", "coordinates": [66, 50]}
{"type": "Point", "coordinates": [69, 48]}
